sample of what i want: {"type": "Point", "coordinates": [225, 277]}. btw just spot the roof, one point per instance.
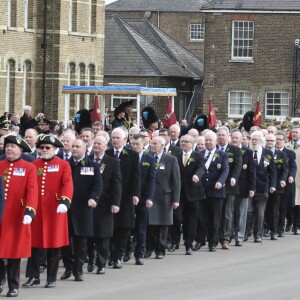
{"type": "Point", "coordinates": [156, 5]}
{"type": "Point", "coordinates": [267, 5]}
{"type": "Point", "coordinates": [137, 48]}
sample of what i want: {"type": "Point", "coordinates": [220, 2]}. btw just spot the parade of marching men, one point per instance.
{"type": "Point", "coordinates": [139, 134]}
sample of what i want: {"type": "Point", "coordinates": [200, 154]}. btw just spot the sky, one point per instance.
{"type": "Point", "coordinates": [109, 1]}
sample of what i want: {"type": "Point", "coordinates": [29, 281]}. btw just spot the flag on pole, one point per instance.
{"type": "Point", "coordinates": [169, 118]}
{"type": "Point", "coordinates": [257, 118]}
{"type": "Point", "coordinates": [212, 120]}
{"type": "Point", "coordinates": [95, 115]}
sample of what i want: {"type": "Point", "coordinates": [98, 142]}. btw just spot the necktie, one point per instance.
{"type": "Point", "coordinates": [173, 144]}
{"type": "Point", "coordinates": [75, 162]}
{"type": "Point", "coordinates": [66, 156]}
{"type": "Point", "coordinates": [156, 158]}
{"type": "Point", "coordinates": [255, 161]}
{"type": "Point", "coordinates": [117, 154]}
{"type": "Point", "coordinates": [222, 149]}
{"type": "Point", "coordinates": [207, 157]}
{"type": "Point", "coordinates": [165, 150]}
{"type": "Point", "coordinates": [186, 158]}
{"type": "Point", "coordinates": [97, 160]}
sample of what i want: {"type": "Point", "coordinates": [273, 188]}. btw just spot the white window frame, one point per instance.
{"type": "Point", "coordinates": [235, 115]}
{"type": "Point", "coordinates": [7, 94]}
{"type": "Point", "coordinates": [242, 39]}
{"type": "Point", "coordinates": [26, 14]}
{"type": "Point", "coordinates": [201, 31]}
{"type": "Point", "coordinates": [122, 98]}
{"type": "Point", "coordinates": [24, 84]}
{"type": "Point", "coordinates": [90, 17]}
{"type": "Point", "coordinates": [9, 13]}
{"type": "Point", "coordinates": [267, 116]}
{"type": "Point", "coordinates": [70, 15]}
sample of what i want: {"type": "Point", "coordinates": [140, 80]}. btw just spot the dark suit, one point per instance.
{"type": "Point", "coordinates": [272, 207]}
{"type": "Point", "coordinates": [103, 217]}
{"type": "Point", "coordinates": [147, 167]}
{"type": "Point", "coordinates": [265, 178]}
{"type": "Point", "coordinates": [174, 150]}
{"type": "Point", "coordinates": [87, 185]}
{"type": "Point", "coordinates": [131, 182]}
{"type": "Point", "coordinates": [167, 191]}
{"type": "Point", "coordinates": [246, 182]}
{"type": "Point", "coordinates": [235, 167]}
{"type": "Point", "coordinates": [26, 122]}
{"type": "Point", "coordinates": [190, 195]}
{"type": "Point", "coordinates": [211, 206]}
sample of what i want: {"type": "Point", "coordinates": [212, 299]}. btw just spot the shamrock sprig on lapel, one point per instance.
{"type": "Point", "coordinates": [124, 152]}
{"type": "Point", "coordinates": [216, 155]}
{"type": "Point", "coordinates": [40, 171]}
{"type": "Point", "coordinates": [190, 160]}
{"type": "Point", "coordinates": [243, 151]}
{"type": "Point", "coordinates": [145, 164]}
{"type": "Point", "coordinates": [82, 163]}
{"type": "Point", "coordinates": [102, 167]}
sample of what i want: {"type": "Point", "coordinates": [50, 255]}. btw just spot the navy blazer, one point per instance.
{"type": "Point", "coordinates": [247, 179]}
{"type": "Point", "coordinates": [265, 172]}
{"type": "Point", "coordinates": [147, 167]}
{"type": "Point", "coordinates": [282, 169]}
{"type": "Point", "coordinates": [217, 172]}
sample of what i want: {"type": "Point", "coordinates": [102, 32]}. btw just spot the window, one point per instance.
{"type": "Point", "coordinates": [71, 81]}
{"type": "Point", "coordinates": [27, 83]}
{"type": "Point", "coordinates": [239, 102]}
{"type": "Point", "coordinates": [93, 17]}
{"type": "Point", "coordinates": [242, 40]}
{"type": "Point", "coordinates": [12, 13]}
{"type": "Point", "coordinates": [196, 32]}
{"type": "Point", "coordinates": [90, 82]}
{"type": "Point", "coordinates": [118, 99]}
{"type": "Point", "coordinates": [277, 104]}
{"type": "Point", "coordinates": [28, 15]}
{"type": "Point", "coordinates": [10, 85]}
{"type": "Point", "coordinates": [73, 15]}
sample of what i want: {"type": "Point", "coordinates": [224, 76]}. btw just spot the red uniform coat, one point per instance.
{"type": "Point", "coordinates": [21, 192]}
{"type": "Point", "coordinates": [49, 228]}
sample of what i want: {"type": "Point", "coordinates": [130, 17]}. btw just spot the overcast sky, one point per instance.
{"type": "Point", "coordinates": [109, 1]}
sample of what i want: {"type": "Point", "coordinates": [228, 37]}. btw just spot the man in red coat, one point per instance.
{"type": "Point", "coordinates": [50, 228]}
{"type": "Point", "coordinates": [20, 186]}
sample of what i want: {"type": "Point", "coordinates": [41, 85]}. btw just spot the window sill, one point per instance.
{"type": "Point", "coordinates": [82, 34]}
{"type": "Point", "coordinates": [196, 41]}
{"type": "Point", "coordinates": [12, 28]}
{"type": "Point", "coordinates": [239, 60]}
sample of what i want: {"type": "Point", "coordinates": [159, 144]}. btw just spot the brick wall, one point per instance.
{"type": "Point", "coordinates": [272, 66]}
{"type": "Point", "coordinates": [63, 47]}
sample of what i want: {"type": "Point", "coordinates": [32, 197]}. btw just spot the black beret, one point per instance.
{"type": "Point", "coordinates": [49, 139]}
{"type": "Point", "coordinates": [17, 140]}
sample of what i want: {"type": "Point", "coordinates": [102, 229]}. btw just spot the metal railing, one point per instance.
{"type": "Point", "coordinates": [196, 101]}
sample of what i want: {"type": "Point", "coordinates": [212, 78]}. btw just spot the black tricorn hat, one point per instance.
{"type": "Point", "coordinates": [5, 125]}
{"type": "Point", "coordinates": [49, 139]}
{"type": "Point", "coordinates": [45, 121]}
{"type": "Point", "coordinates": [149, 116]}
{"type": "Point", "coordinates": [201, 123]}
{"type": "Point", "coordinates": [17, 139]}
{"type": "Point", "coordinates": [247, 120]}
{"type": "Point", "coordinates": [125, 104]}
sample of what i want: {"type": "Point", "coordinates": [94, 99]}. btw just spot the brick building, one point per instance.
{"type": "Point", "coordinates": [180, 19]}
{"type": "Point", "coordinates": [250, 53]}
{"type": "Point", "coordinates": [139, 53]}
{"type": "Point", "coordinates": [43, 47]}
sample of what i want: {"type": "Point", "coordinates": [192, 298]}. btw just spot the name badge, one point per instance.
{"type": "Point", "coordinates": [87, 171]}
{"type": "Point", "coordinates": [53, 168]}
{"type": "Point", "coordinates": [19, 172]}
{"type": "Point", "coordinates": [162, 166]}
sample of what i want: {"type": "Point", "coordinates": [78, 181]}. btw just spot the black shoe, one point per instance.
{"type": "Point", "coordinates": [266, 233]}
{"type": "Point", "coordinates": [110, 262]}
{"type": "Point", "coordinates": [198, 246]}
{"type": "Point", "coordinates": [288, 228]}
{"type": "Point", "coordinates": [238, 243]}
{"type": "Point", "coordinates": [117, 264]}
{"type": "Point", "coordinates": [12, 293]}
{"type": "Point", "coordinates": [139, 261]}
{"type": "Point", "coordinates": [79, 277]}
{"type": "Point", "coordinates": [90, 267]}
{"type": "Point", "coordinates": [257, 240]}
{"type": "Point", "coordinates": [127, 256]}
{"type": "Point", "coordinates": [172, 248]}
{"type": "Point", "coordinates": [274, 237]}
{"type": "Point", "coordinates": [50, 284]}
{"type": "Point", "coordinates": [42, 268]}
{"type": "Point", "coordinates": [67, 274]}
{"type": "Point", "coordinates": [297, 232]}
{"type": "Point", "coordinates": [1, 288]}
{"type": "Point", "coordinates": [148, 254]}
{"type": "Point", "coordinates": [212, 249]}
{"type": "Point", "coordinates": [281, 234]}
{"type": "Point", "coordinates": [189, 251]}
{"type": "Point", "coordinates": [159, 256]}
{"type": "Point", "coordinates": [245, 238]}
{"type": "Point", "coordinates": [31, 282]}
{"type": "Point", "coordinates": [100, 270]}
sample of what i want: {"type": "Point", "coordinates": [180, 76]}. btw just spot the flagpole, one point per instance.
{"type": "Point", "coordinates": [173, 104]}
{"type": "Point", "coordinates": [138, 110]}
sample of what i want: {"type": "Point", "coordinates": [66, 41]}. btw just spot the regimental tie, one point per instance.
{"type": "Point", "coordinates": [97, 160]}
{"type": "Point", "coordinates": [156, 158]}
{"type": "Point", "coordinates": [66, 156]}
{"type": "Point", "coordinates": [186, 158]}
{"type": "Point", "coordinates": [75, 162]}
{"type": "Point", "coordinates": [222, 149]}
{"type": "Point", "coordinates": [207, 156]}
{"type": "Point", "coordinates": [255, 160]}
{"type": "Point", "coordinates": [117, 154]}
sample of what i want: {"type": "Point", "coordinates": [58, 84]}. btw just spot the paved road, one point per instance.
{"type": "Point", "coordinates": [270, 270]}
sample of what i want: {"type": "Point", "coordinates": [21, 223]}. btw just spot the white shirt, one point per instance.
{"type": "Point", "coordinates": [212, 152]}
{"type": "Point", "coordinates": [159, 156]}
{"type": "Point", "coordinates": [89, 150]}
{"type": "Point", "coordinates": [259, 152]}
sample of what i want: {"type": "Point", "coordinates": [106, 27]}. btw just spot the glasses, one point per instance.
{"type": "Point", "coordinates": [185, 141]}
{"type": "Point", "coordinates": [45, 147]}
{"type": "Point", "coordinates": [277, 139]}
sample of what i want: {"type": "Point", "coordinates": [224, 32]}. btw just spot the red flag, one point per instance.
{"type": "Point", "coordinates": [257, 119]}
{"type": "Point", "coordinates": [169, 118]}
{"type": "Point", "coordinates": [95, 115]}
{"type": "Point", "coordinates": [212, 120]}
